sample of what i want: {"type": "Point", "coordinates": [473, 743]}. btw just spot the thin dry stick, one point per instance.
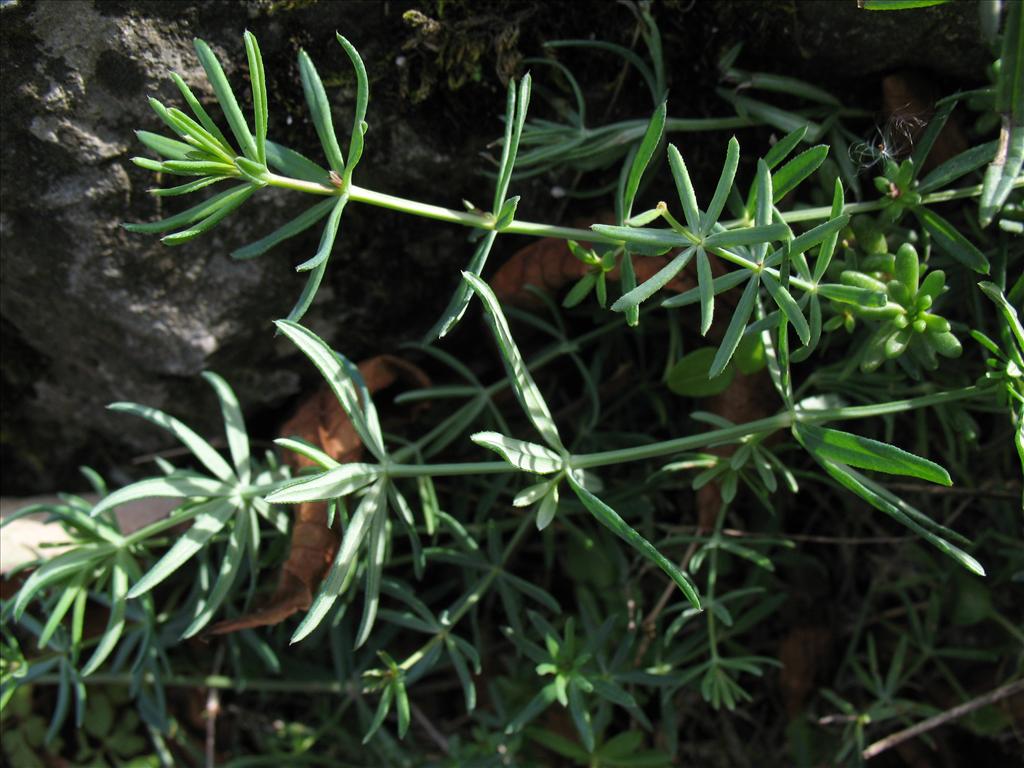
{"type": "Point", "coordinates": [942, 718]}
{"type": "Point", "coordinates": [431, 729]}
{"type": "Point", "coordinates": [652, 617]}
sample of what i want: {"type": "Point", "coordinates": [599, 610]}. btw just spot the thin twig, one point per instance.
{"type": "Point", "coordinates": [652, 617]}
{"type": "Point", "coordinates": [430, 728]}
{"type": "Point", "coordinates": [942, 718]}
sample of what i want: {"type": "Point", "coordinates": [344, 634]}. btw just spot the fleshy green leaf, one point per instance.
{"type": "Point", "coordinates": [690, 377]}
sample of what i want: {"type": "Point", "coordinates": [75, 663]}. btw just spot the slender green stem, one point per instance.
{"type": "Point", "coordinates": [485, 221]}
{"type": "Point", "coordinates": [894, 406]}
{"type": "Point", "coordinates": [781, 420]}
{"type": "Point", "coordinates": [448, 470]}
{"type": "Point", "coordinates": [689, 443]}
{"type": "Point", "coordinates": [299, 185]}
{"type": "Point", "coordinates": [470, 599]}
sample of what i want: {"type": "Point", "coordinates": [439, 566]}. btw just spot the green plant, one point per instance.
{"type": "Point", "coordinates": [890, 276]}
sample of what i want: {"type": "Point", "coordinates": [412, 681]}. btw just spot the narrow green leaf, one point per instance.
{"type": "Point", "coordinates": [258, 81]}
{"type": "Point", "coordinates": [849, 294]}
{"type": "Point", "coordinates": [950, 241]}
{"type": "Point", "coordinates": [57, 613]}
{"type": "Point", "coordinates": [320, 111]}
{"type": "Point", "coordinates": [212, 517]}
{"type": "Point", "coordinates": [341, 570]}
{"type": "Point", "coordinates": [343, 480]}
{"type": "Point", "coordinates": [198, 168]}
{"type": "Point", "coordinates": [1011, 315]}
{"type": "Point", "coordinates": [201, 114]}
{"type": "Point", "coordinates": [529, 457]}
{"type": "Point", "coordinates": [881, 499]}
{"type": "Point", "coordinates": [234, 424]}
{"type": "Point", "coordinates": [787, 304]}
{"type": "Point", "coordinates": [171, 486]}
{"type": "Point", "coordinates": [63, 566]}
{"type": "Point", "coordinates": [828, 244]}
{"type": "Point", "coordinates": [327, 238]}
{"type": "Point", "coordinates": [648, 144]}
{"type": "Point", "coordinates": [515, 119]}
{"type": "Point", "coordinates": [460, 299]}
{"type": "Point", "coordinates": [115, 622]}
{"type": "Point", "coordinates": [728, 238]}
{"type": "Point", "coordinates": [299, 224]}
{"type": "Point", "coordinates": [737, 325]}
{"type": "Point", "coordinates": [844, 448]}
{"type": "Point", "coordinates": [958, 166]}
{"type": "Point", "coordinates": [383, 707]}
{"type": "Point", "coordinates": [355, 143]}
{"type": "Point", "coordinates": [462, 672]}
{"type": "Point", "coordinates": [305, 300]}
{"type": "Point", "coordinates": [1003, 172]}
{"type": "Point", "coordinates": [581, 717]}
{"type": "Point", "coordinates": [789, 176]}
{"type": "Point", "coordinates": [291, 163]}
{"type": "Point", "coordinates": [684, 187]}
{"type": "Point", "coordinates": [655, 283]}
{"type": "Point", "coordinates": [662, 239]}
{"type": "Point", "coordinates": [725, 282]}
{"type": "Point", "coordinates": [898, 5]}
{"type": "Point", "coordinates": [226, 99]}
{"type": "Point", "coordinates": [168, 148]}
{"type": "Point", "coordinates": [193, 214]}
{"type": "Point", "coordinates": [611, 520]}
{"type": "Point", "coordinates": [781, 149]}
{"type": "Point", "coordinates": [782, 119]}
{"type": "Point", "coordinates": [201, 449]}
{"type": "Point", "coordinates": [706, 287]}
{"type": "Point", "coordinates": [376, 549]}
{"type": "Point", "coordinates": [187, 188]}
{"type": "Point", "coordinates": [732, 159]}
{"type": "Point", "coordinates": [523, 385]}
{"type": "Point", "coordinates": [690, 376]}
{"type": "Point", "coordinates": [923, 145]}
{"type": "Point", "coordinates": [225, 209]}
{"type": "Point", "coordinates": [340, 374]}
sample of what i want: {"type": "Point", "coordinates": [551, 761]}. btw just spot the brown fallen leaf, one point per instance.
{"type": "Point", "coordinates": [319, 420]}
